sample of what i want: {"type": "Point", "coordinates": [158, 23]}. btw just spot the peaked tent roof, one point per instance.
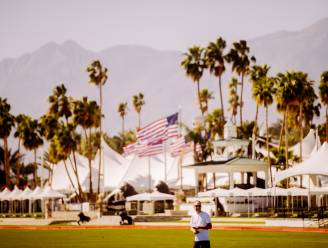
{"type": "Point", "coordinates": [48, 192]}
{"type": "Point", "coordinates": [315, 165]}
{"type": "Point", "coordinates": [154, 196]}
{"type": "Point", "coordinates": [14, 193]}
{"type": "Point", "coordinates": [25, 192]}
{"type": "Point", "coordinates": [4, 193]}
{"type": "Point", "coordinates": [307, 145]}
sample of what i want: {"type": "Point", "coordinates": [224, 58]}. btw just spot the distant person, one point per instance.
{"type": "Point", "coordinates": [200, 224]}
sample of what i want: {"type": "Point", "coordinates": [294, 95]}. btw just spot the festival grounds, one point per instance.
{"type": "Point", "coordinates": [66, 236]}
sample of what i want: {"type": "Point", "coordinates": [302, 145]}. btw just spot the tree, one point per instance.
{"type": "Point", "coordinates": [6, 124]}
{"type": "Point", "coordinates": [60, 103]}
{"type": "Point", "coordinates": [258, 74]}
{"type": "Point", "coordinates": [32, 140]}
{"type": "Point", "coordinates": [87, 115]}
{"type": "Point", "coordinates": [263, 91]}
{"type": "Point", "coordinates": [214, 60]}
{"type": "Point", "coordinates": [193, 63]}
{"type": "Point", "coordinates": [239, 57]}
{"type": "Point", "coordinates": [205, 96]}
{"type": "Point", "coordinates": [138, 101]}
{"type": "Point", "coordinates": [233, 99]}
{"type": "Point", "coordinates": [323, 93]}
{"type": "Point", "coordinates": [215, 123]}
{"type": "Point", "coordinates": [98, 77]}
{"type": "Point", "coordinates": [122, 110]}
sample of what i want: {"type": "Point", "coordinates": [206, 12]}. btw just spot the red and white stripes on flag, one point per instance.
{"type": "Point", "coordinates": [178, 146]}
{"type": "Point", "coordinates": [159, 130]}
{"type": "Point", "coordinates": [151, 137]}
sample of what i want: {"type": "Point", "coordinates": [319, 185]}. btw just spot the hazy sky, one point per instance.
{"type": "Point", "coordinates": [163, 24]}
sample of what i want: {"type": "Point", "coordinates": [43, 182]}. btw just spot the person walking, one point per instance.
{"type": "Point", "coordinates": [200, 223]}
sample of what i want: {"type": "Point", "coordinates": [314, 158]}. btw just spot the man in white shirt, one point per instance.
{"type": "Point", "coordinates": [200, 223]}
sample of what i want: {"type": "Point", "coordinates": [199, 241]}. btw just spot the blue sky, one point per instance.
{"type": "Point", "coordinates": [167, 24]}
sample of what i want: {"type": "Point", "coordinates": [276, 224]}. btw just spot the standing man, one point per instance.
{"type": "Point", "coordinates": [200, 223]}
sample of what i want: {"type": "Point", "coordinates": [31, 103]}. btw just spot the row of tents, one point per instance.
{"type": "Point", "coordinates": [28, 194]}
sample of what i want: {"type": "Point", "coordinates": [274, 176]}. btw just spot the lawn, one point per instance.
{"type": "Point", "coordinates": [157, 238]}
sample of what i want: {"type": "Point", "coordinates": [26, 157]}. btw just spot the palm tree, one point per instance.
{"type": "Point", "coordinates": [258, 74]}
{"type": "Point", "coordinates": [323, 92]}
{"type": "Point", "coordinates": [138, 101]}
{"type": "Point", "coordinates": [214, 59]}
{"type": "Point", "coordinates": [6, 124]}
{"type": "Point", "coordinates": [87, 115]}
{"type": "Point", "coordinates": [285, 96]}
{"type": "Point", "coordinates": [193, 63]}
{"type": "Point", "coordinates": [263, 92]}
{"type": "Point", "coordinates": [239, 57]}
{"type": "Point", "coordinates": [32, 140]}
{"type": "Point", "coordinates": [205, 96]}
{"type": "Point", "coordinates": [98, 77]}
{"type": "Point", "coordinates": [21, 122]}
{"type": "Point", "coordinates": [303, 88]}
{"type": "Point", "coordinates": [60, 103]}
{"type": "Point", "coordinates": [122, 110]}
{"type": "Point", "coordinates": [233, 99]}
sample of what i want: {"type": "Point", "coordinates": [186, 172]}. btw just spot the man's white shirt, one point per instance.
{"type": "Point", "coordinates": [200, 220]}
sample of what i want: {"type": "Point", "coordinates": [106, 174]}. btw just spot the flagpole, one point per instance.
{"type": "Point", "coordinates": [165, 162]}
{"type": "Point", "coordinates": [149, 175]}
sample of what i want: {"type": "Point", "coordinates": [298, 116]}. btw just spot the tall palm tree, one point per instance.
{"type": "Point", "coordinates": [21, 122]}
{"type": "Point", "coordinates": [263, 92]}
{"type": "Point", "coordinates": [323, 92]}
{"type": "Point", "coordinates": [233, 99]}
{"type": "Point", "coordinates": [122, 110]}
{"type": "Point", "coordinates": [303, 87]}
{"type": "Point", "coordinates": [87, 115]}
{"type": "Point", "coordinates": [138, 101]}
{"type": "Point", "coordinates": [60, 103]}
{"type": "Point", "coordinates": [214, 59]}
{"type": "Point", "coordinates": [285, 96]}
{"type": "Point", "coordinates": [258, 74]}
{"type": "Point", "coordinates": [98, 76]}
{"type": "Point", "coordinates": [205, 96]}
{"type": "Point", "coordinates": [6, 124]}
{"type": "Point", "coordinates": [193, 63]}
{"type": "Point", "coordinates": [32, 140]}
{"type": "Point", "coordinates": [239, 57]}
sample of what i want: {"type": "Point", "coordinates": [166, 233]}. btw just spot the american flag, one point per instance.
{"type": "Point", "coordinates": [179, 145]}
{"type": "Point", "coordinates": [151, 137]}
{"type": "Point", "coordinates": [159, 130]}
{"type": "Point", "coordinates": [151, 150]}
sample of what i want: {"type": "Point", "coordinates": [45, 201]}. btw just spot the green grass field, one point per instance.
{"type": "Point", "coordinates": [157, 238]}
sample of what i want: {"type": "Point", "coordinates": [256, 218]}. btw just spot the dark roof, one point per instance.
{"type": "Point", "coordinates": [212, 162]}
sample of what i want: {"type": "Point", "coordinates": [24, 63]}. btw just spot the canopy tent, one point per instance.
{"type": "Point", "coordinates": [154, 196]}
{"type": "Point", "coordinates": [178, 176]}
{"type": "Point", "coordinates": [13, 194]}
{"type": "Point", "coordinates": [36, 194]}
{"type": "Point", "coordinates": [144, 172]}
{"type": "Point", "coordinates": [319, 191]}
{"type": "Point", "coordinates": [218, 192]}
{"type": "Point", "coordinates": [308, 144]}
{"type": "Point", "coordinates": [4, 194]}
{"type": "Point", "coordinates": [315, 165]}
{"type": "Point", "coordinates": [60, 179]}
{"type": "Point", "coordinates": [114, 168]}
{"type": "Point", "coordinates": [294, 191]}
{"type": "Point", "coordinates": [237, 192]}
{"type": "Point", "coordinates": [277, 191]}
{"type": "Point", "coordinates": [257, 191]}
{"type": "Point", "coordinates": [48, 192]}
{"type": "Point", "coordinates": [25, 192]}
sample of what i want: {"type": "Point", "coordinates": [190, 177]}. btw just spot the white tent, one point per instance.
{"type": "Point", "coordinates": [35, 194]}
{"type": "Point", "coordinates": [218, 192]}
{"type": "Point", "coordinates": [319, 191]}
{"type": "Point", "coordinates": [294, 191]}
{"type": "Point", "coordinates": [4, 193]}
{"type": "Point", "coordinates": [307, 145]}
{"type": "Point", "coordinates": [316, 165]}
{"type": "Point", "coordinates": [61, 181]}
{"type": "Point", "coordinates": [144, 172]}
{"type": "Point", "coordinates": [12, 195]}
{"type": "Point", "coordinates": [154, 196]}
{"type": "Point", "coordinates": [257, 191]}
{"type": "Point", "coordinates": [48, 192]}
{"type": "Point", "coordinates": [177, 176]}
{"type": "Point", "coordinates": [25, 192]}
{"type": "Point", "coordinates": [115, 166]}
{"type": "Point", "coordinates": [237, 192]}
{"type": "Point", "coordinates": [277, 191]}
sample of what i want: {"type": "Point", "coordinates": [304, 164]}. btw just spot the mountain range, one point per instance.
{"type": "Point", "coordinates": [27, 81]}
